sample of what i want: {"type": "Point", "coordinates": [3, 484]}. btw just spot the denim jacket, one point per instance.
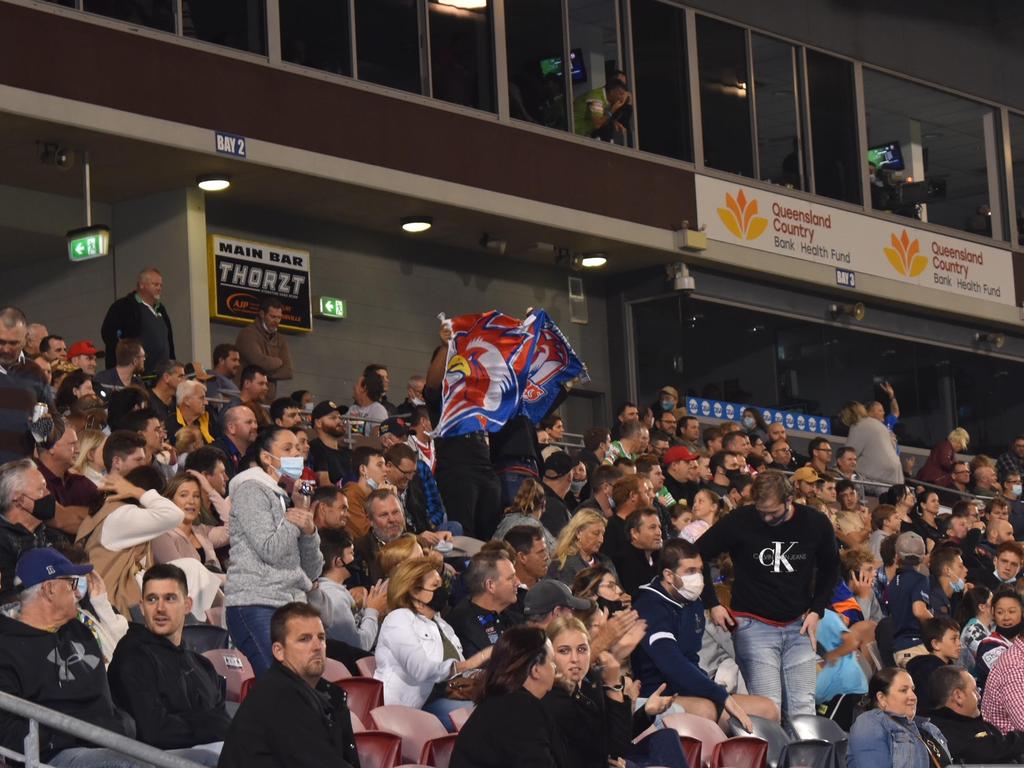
{"type": "Point", "coordinates": [879, 739]}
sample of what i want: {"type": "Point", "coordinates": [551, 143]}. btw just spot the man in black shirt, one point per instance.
{"type": "Point", "coordinates": [480, 618]}
{"type": "Point", "coordinates": [327, 456]}
{"type": "Point", "coordinates": [22, 490]}
{"type": "Point", "coordinates": [682, 473]}
{"type": "Point", "coordinates": [971, 739]}
{"type": "Point", "coordinates": [638, 563]}
{"type": "Point", "coordinates": [557, 481]}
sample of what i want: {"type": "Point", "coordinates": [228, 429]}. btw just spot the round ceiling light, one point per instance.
{"type": "Point", "coordinates": [213, 182]}
{"type": "Point", "coordinates": [417, 224]}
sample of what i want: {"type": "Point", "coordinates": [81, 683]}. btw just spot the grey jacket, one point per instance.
{"type": "Point", "coordinates": [272, 562]}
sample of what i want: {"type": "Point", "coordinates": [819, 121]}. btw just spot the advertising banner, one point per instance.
{"type": "Point", "coordinates": [719, 409]}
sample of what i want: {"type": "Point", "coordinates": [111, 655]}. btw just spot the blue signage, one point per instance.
{"type": "Point", "coordinates": [846, 278]}
{"type": "Point", "coordinates": [230, 144]}
{"type": "Point", "coordinates": [802, 422]}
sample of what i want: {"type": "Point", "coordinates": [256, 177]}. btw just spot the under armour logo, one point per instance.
{"type": "Point", "coordinates": [78, 656]}
{"type": "Point", "coordinates": [776, 557]}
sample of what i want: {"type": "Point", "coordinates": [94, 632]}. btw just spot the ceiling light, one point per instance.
{"type": "Point", "coordinates": [464, 3]}
{"type": "Point", "coordinates": [213, 182]}
{"type": "Point", "coordinates": [593, 261]}
{"type": "Point", "coordinates": [855, 311]}
{"type": "Point", "coordinates": [417, 224]}
{"type": "Point", "coordinates": [996, 340]}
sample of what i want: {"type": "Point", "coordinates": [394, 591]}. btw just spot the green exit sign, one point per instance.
{"type": "Point", "coordinates": [88, 243]}
{"type": "Point", "coordinates": [332, 308]}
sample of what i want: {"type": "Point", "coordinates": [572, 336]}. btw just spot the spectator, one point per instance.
{"type": "Point", "coordinates": [629, 443]}
{"type": "Point", "coordinates": [172, 693]}
{"type": "Point", "coordinates": [130, 359]}
{"type": "Point", "coordinates": [648, 467]}
{"type": "Point", "coordinates": [578, 547]}
{"type": "Point", "coordinates": [885, 522]}
{"type": "Point", "coordinates": [89, 461]}
{"type": "Point", "coordinates": [600, 484]}
{"type": "Point", "coordinates": [601, 585]}
{"type": "Point", "coordinates": [629, 493]}
{"type": "Point", "coordinates": [637, 565]}
{"type": "Point", "coordinates": [417, 651]}
{"type": "Point", "coordinates": [971, 739]}
{"type": "Point", "coordinates": [208, 465]}
{"type": "Point", "coordinates": [527, 509]}
{"type": "Point", "coordinates": [689, 433]}
{"type": "Point", "coordinates": [254, 389]}
{"type": "Point", "coordinates": [855, 595]}
{"type": "Point", "coordinates": [387, 522]}
{"type": "Point", "coordinates": [346, 622]}
{"type": "Point", "coordinates": [975, 616]}
{"type": "Point", "coordinates": [82, 355]}
{"type": "Point", "coordinates": [804, 482]}
{"type": "Point", "coordinates": [227, 362]}
{"type": "Point", "coordinates": [682, 479]}
{"type": "Point", "coordinates": [1011, 462]}
{"type": "Point", "coordinates": [841, 682]}
{"type": "Point", "coordinates": [626, 412]}
{"type": "Point", "coordinates": [34, 334]}
{"type": "Point", "coordinates": [531, 559]}
{"type": "Point", "coordinates": [548, 600]}
{"type": "Point", "coordinates": [123, 451]}
{"type": "Point", "coordinates": [371, 470]}
{"type": "Point", "coordinates": [984, 481]}
{"type": "Point", "coordinates": [821, 454]}
{"type": "Point", "coordinates": [666, 421]}
{"type": "Point", "coordinates": [724, 466]}
{"type": "Point", "coordinates": [948, 580]}
{"type": "Point", "coordinates": [22, 491]}
{"type": "Point", "coordinates": [293, 716]}
{"type": "Point", "coordinates": [786, 561]}
{"type": "Point", "coordinates": [169, 374]}
{"type": "Point", "coordinates": [909, 599]}
{"type": "Point", "coordinates": [1006, 566]}
{"type": "Point", "coordinates": [671, 606]}
{"type": "Point", "coordinates": [880, 735]}
{"type": "Point", "coordinates": [261, 344]}
{"type": "Point", "coordinates": [754, 424]}
{"type": "Point", "coordinates": [420, 438]}
{"type": "Point", "coordinates": [1003, 700]}
{"type": "Point", "coordinates": [925, 524]}
{"type": "Point", "coordinates": [327, 456]}
{"type": "Point", "coordinates": [553, 429]}
{"type": "Point", "coordinates": [877, 459]}
{"type": "Point", "coordinates": [941, 637]}
{"type": "Point", "coordinates": [405, 547]}
{"type": "Point", "coordinates": [140, 315]}
{"type": "Point", "coordinates": [330, 508]}
{"type": "Point", "coordinates": [275, 549]}
{"type": "Point", "coordinates": [846, 467]}
{"type": "Point", "coordinates": [71, 495]}
{"type": "Point", "coordinates": [368, 394]}
{"type": "Point", "coordinates": [413, 395]}
{"type": "Point", "coordinates": [938, 468]}
{"type": "Point", "coordinates": [557, 480]}
{"type": "Point", "coordinates": [481, 618]}
{"type": "Point", "coordinates": [285, 412]}
{"type": "Point", "coordinates": [190, 397]}
{"type": "Point", "coordinates": [191, 540]}
{"type": "Point", "coordinates": [422, 505]}
{"type": "Point", "coordinates": [53, 348]}
{"type": "Point", "coordinates": [75, 385]}
{"type": "Point", "coordinates": [1006, 610]}
{"type": "Point", "coordinates": [13, 332]}
{"type": "Point", "coordinates": [240, 428]}
{"type": "Point", "coordinates": [49, 658]}
{"type": "Point", "coordinates": [122, 402]}
{"type": "Point", "coordinates": [385, 376]}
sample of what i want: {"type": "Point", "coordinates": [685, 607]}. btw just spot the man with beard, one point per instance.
{"type": "Point", "coordinates": [327, 456]}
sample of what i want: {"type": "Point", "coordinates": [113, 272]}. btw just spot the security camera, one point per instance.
{"type": "Point", "coordinates": [681, 278]}
{"type": "Point", "coordinates": [58, 155]}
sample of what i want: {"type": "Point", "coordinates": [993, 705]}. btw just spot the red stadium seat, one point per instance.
{"type": "Point", "coordinates": [357, 722]}
{"type": "Point", "coordinates": [702, 729]}
{"type": "Point", "coordinates": [232, 665]}
{"type": "Point", "coordinates": [692, 750]}
{"type": "Point", "coordinates": [366, 666]}
{"type": "Point", "coordinates": [460, 716]}
{"type": "Point", "coordinates": [378, 749]}
{"type": "Point", "coordinates": [364, 695]}
{"type": "Point", "coordinates": [334, 671]}
{"type": "Point", "coordinates": [415, 726]}
{"type": "Point", "coordinates": [740, 752]}
{"type": "Point", "coordinates": [438, 752]}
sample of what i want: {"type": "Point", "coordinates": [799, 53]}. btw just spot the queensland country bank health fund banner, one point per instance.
{"type": "Point", "coordinates": [853, 242]}
{"type": "Point", "coordinates": [244, 272]}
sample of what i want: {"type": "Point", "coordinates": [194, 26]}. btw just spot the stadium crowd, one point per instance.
{"type": "Point", "coordinates": [578, 600]}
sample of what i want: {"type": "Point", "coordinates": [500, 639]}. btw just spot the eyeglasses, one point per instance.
{"type": "Point", "coordinates": [783, 450]}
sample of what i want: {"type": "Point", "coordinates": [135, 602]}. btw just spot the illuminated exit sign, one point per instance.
{"type": "Point", "coordinates": [88, 243]}
{"type": "Point", "coordinates": [332, 308]}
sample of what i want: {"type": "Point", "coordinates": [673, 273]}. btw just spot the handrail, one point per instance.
{"type": "Point", "coordinates": [36, 714]}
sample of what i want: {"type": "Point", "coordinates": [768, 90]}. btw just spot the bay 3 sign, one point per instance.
{"type": "Point", "coordinates": [808, 231]}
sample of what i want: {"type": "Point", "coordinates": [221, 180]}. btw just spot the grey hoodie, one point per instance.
{"type": "Point", "coordinates": [272, 562]}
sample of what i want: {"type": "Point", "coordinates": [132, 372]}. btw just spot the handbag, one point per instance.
{"type": "Point", "coordinates": [462, 687]}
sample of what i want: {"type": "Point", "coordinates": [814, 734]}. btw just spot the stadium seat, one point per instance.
{"type": "Point", "coordinates": [740, 752]}
{"type": "Point", "coordinates": [873, 655]}
{"type": "Point", "coordinates": [415, 726]}
{"type": "Point", "coordinates": [438, 752]}
{"type": "Point", "coordinates": [232, 665]}
{"type": "Point", "coordinates": [692, 749]}
{"type": "Point", "coordinates": [335, 671]}
{"type": "Point", "coordinates": [366, 666]}
{"type": "Point", "coordinates": [700, 728]}
{"type": "Point", "coordinates": [357, 722]}
{"type": "Point", "coordinates": [460, 716]}
{"type": "Point", "coordinates": [378, 749]}
{"type": "Point", "coordinates": [204, 637]}
{"type": "Point", "coordinates": [809, 727]}
{"type": "Point", "coordinates": [247, 685]}
{"type": "Point", "coordinates": [765, 729]}
{"type": "Point", "coordinates": [364, 695]}
{"type": "Point", "coordinates": [811, 753]}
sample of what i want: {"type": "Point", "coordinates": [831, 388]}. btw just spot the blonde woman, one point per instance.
{"type": "Point", "coordinates": [394, 553]}
{"type": "Point", "coordinates": [939, 467]}
{"type": "Point", "coordinates": [579, 546]}
{"type": "Point", "coordinates": [90, 455]}
{"type": "Point", "coordinates": [526, 509]}
{"type": "Point", "coordinates": [877, 459]}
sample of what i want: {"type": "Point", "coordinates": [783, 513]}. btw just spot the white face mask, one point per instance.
{"type": "Point", "coordinates": [690, 586]}
{"type": "Point", "coordinates": [1016, 489]}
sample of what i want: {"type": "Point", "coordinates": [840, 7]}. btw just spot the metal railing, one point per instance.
{"type": "Point", "coordinates": [39, 715]}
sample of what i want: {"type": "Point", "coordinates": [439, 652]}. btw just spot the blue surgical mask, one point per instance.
{"type": "Point", "coordinates": [372, 483]}
{"type": "Point", "coordinates": [667, 405]}
{"type": "Point", "coordinates": [749, 422]}
{"type": "Point", "coordinates": [958, 585]}
{"type": "Point", "coordinates": [291, 466]}
{"type": "Point", "coordinates": [576, 486]}
{"type": "Point", "coordinates": [1016, 489]}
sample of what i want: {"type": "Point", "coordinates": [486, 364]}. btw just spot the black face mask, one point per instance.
{"type": "Point", "coordinates": [438, 600]}
{"type": "Point", "coordinates": [734, 474]}
{"type": "Point", "coordinates": [612, 606]}
{"type": "Point", "coordinates": [1011, 632]}
{"type": "Point", "coordinates": [45, 508]}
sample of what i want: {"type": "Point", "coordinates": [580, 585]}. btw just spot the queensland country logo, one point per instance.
{"type": "Point", "coordinates": [905, 255]}
{"type": "Point", "coordinates": [740, 217]}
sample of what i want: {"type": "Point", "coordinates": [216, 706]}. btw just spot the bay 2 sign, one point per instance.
{"type": "Point", "coordinates": [244, 272]}
{"type": "Point", "coordinates": [856, 242]}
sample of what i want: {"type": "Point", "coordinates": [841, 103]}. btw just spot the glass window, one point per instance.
{"type": "Point", "coordinates": [388, 43]}
{"type": "Point", "coordinates": [602, 104]}
{"type": "Point", "coordinates": [724, 96]}
{"type": "Point", "coordinates": [234, 23]}
{"type": "Point", "coordinates": [155, 14]}
{"type": "Point", "coordinates": [659, 56]}
{"type": "Point", "coordinates": [461, 55]}
{"type": "Point", "coordinates": [316, 33]}
{"type": "Point", "coordinates": [926, 153]}
{"type": "Point", "coordinates": [1017, 153]}
{"type": "Point", "coordinates": [536, 73]}
{"type": "Point", "coordinates": [775, 101]}
{"type": "Point", "coordinates": [833, 107]}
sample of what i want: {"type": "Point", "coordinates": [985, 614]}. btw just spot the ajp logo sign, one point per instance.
{"type": "Point", "coordinates": [905, 255]}
{"type": "Point", "coordinates": [740, 217]}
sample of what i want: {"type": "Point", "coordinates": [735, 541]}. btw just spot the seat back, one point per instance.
{"type": "Point", "coordinates": [232, 665]}
{"type": "Point", "coordinates": [364, 695]}
{"type": "Point", "coordinates": [357, 722]}
{"type": "Point", "coordinates": [334, 670]}
{"type": "Point", "coordinates": [378, 749]}
{"type": "Point", "coordinates": [438, 752]}
{"type": "Point", "coordinates": [705, 731]}
{"type": "Point", "coordinates": [810, 754]}
{"type": "Point", "coordinates": [692, 749]}
{"type": "Point", "coordinates": [415, 726]}
{"type": "Point", "coordinates": [884, 631]}
{"type": "Point", "coordinates": [204, 637]}
{"type": "Point", "coordinates": [815, 727]}
{"type": "Point", "coordinates": [366, 666]}
{"type": "Point", "coordinates": [740, 752]}
{"type": "Point", "coordinates": [460, 716]}
{"type": "Point", "coordinates": [765, 729]}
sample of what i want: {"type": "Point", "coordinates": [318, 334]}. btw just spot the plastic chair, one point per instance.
{"type": "Point", "coordinates": [460, 716]}
{"type": "Point", "coordinates": [232, 665]}
{"type": "Point", "coordinates": [364, 695]}
{"type": "Point", "coordinates": [768, 730]}
{"type": "Point", "coordinates": [247, 685]}
{"type": "Point", "coordinates": [378, 748]}
{"type": "Point", "coordinates": [811, 727]}
{"type": "Point", "coordinates": [415, 726]}
{"type": "Point", "coordinates": [335, 671]}
{"type": "Point", "coordinates": [357, 722]}
{"type": "Point", "coordinates": [204, 637]}
{"type": "Point", "coordinates": [438, 752]}
{"type": "Point", "coordinates": [740, 752]}
{"type": "Point", "coordinates": [366, 666]}
{"type": "Point", "coordinates": [810, 753]}
{"type": "Point", "coordinates": [699, 728]}
{"type": "Point", "coordinates": [692, 749]}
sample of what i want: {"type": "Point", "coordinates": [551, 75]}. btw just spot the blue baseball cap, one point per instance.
{"type": "Point", "coordinates": [44, 564]}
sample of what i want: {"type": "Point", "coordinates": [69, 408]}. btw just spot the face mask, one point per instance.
{"type": "Point", "coordinates": [734, 474]}
{"type": "Point", "coordinates": [958, 585]}
{"type": "Point", "coordinates": [1011, 632]}
{"type": "Point", "coordinates": [611, 503]}
{"type": "Point", "coordinates": [438, 600]}
{"type": "Point", "coordinates": [690, 586]}
{"type": "Point", "coordinates": [417, 401]}
{"type": "Point", "coordinates": [748, 422]}
{"type": "Point", "coordinates": [45, 508]}
{"type": "Point", "coordinates": [1016, 489]}
{"type": "Point", "coordinates": [576, 486]}
{"type": "Point", "coordinates": [291, 466]}
{"type": "Point", "coordinates": [308, 407]}
{"type": "Point", "coordinates": [372, 483]}
{"type": "Point", "coordinates": [612, 606]}
{"type": "Point", "coordinates": [667, 405]}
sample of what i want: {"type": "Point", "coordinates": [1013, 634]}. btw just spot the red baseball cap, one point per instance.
{"type": "Point", "coordinates": [83, 348]}
{"type": "Point", "coordinates": [678, 453]}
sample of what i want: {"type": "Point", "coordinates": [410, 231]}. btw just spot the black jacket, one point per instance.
{"type": "Point", "coordinates": [509, 730]}
{"type": "Point", "coordinates": [972, 740]}
{"type": "Point", "coordinates": [173, 693]}
{"type": "Point", "coordinates": [62, 670]}
{"type": "Point", "coordinates": [15, 539]}
{"type": "Point", "coordinates": [124, 321]}
{"type": "Point", "coordinates": [634, 570]}
{"type": "Point", "coordinates": [555, 514]}
{"type": "Point", "coordinates": [283, 723]}
{"type": "Point", "coordinates": [471, 624]}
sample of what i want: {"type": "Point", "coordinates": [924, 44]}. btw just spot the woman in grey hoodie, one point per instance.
{"type": "Point", "coordinates": [275, 549]}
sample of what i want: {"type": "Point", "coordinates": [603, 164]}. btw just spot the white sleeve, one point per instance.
{"type": "Point", "coordinates": [130, 525]}
{"type": "Point", "coordinates": [404, 638]}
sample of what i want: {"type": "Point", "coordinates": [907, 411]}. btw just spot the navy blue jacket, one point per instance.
{"type": "Point", "coordinates": [669, 652]}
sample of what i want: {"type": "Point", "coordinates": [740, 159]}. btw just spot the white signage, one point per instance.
{"type": "Point", "coordinates": [788, 226]}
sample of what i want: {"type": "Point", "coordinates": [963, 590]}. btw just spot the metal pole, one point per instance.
{"type": "Point", "coordinates": [88, 189]}
{"type": "Point", "coordinates": [32, 744]}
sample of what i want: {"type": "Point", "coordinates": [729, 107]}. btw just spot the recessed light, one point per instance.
{"type": "Point", "coordinates": [593, 261]}
{"type": "Point", "coordinates": [213, 182]}
{"type": "Point", "coordinates": [417, 224]}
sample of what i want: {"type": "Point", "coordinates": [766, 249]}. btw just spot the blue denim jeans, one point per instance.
{"type": "Point", "coordinates": [777, 663]}
{"type": "Point", "coordinates": [249, 627]}
{"type": "Point", "coordinates": [442, 709]}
